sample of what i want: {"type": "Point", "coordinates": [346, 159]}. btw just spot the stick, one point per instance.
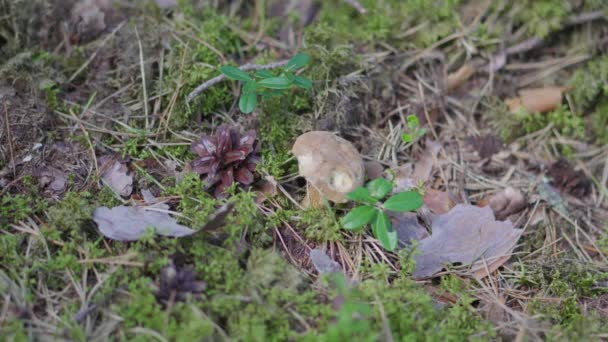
{"type": "Point", "coordinates": [219, 78]}
{"type": "Point", "coordinates": [357, 6]}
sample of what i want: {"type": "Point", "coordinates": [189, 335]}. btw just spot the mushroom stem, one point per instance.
{"type": "Point", "coordinates": [313, 198]}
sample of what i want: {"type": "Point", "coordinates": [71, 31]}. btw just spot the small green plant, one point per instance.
{"type": "Point", "coordinates": [372, 210]}
{"type": "Point", "coordinates": [413, 130]}
{"type": "Point", "coordinates": [265, 83]}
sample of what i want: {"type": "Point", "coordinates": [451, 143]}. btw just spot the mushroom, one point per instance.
{"type": "Point", "coordinates": [332, 166]}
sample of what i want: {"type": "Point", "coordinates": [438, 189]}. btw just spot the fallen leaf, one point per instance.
{"type": "Point", "coordinates": [569, 180]}
{"type": "Point", "coordinates": [469, 235]}
{"type": "Point", "coordinates": [265, 189]}
{"type": "Point", "coordinates": [438, 201]}
{"type": "Point", "coordinates": [116, 175]}
{"type": "Point", "coordinates": [537, 100]}
{"type": "Point", "coordinates": [457, 78]}
{"type": "Point", "coordinates": [52, 178]}
{"type": "Point", "coordinates": [323, 263]}
{"type": "Point", "coordinates": [407, 227]}
{"type": "Point", "coordinates": [125, 223]}
{"type": "Point", "coordinates": [505, 203]}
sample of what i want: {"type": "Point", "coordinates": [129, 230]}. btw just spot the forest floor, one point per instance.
{"type": "Point", "coordinates": [493, 113]}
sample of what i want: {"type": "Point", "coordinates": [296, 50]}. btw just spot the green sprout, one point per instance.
{"type": "Point", "coordinates": [372, 209]}
{"type": "Point", "coordinates": [413, 130]}
{"type": "Point", "coordinates": [267, 84]}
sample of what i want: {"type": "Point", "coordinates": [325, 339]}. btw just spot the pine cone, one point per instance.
{"type": "Point", "coordinates": [176, 284]}
{"type": "Point", "coordinates": [225, 157]}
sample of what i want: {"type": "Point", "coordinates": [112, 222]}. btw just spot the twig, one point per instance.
{"type": "Point", "coordinates": [10, 140]}
{"type": "Point", "coordinates": [219, 78]}
{"type": "Point", "coordinates": [143, 79]}
{"type": "Point", "coordinates": [357, 6]}
{"type": "Point", "coordinates": [498, 60]}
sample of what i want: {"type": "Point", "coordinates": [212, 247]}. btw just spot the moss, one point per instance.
{"type": "Point", "coordinates": [513, 125]}
{"type": "Point", "coordinates": [321, 225]}
{"type": "Point", "coordinates": [189, 63]}
{"type": "Point", "coordinates": [386, 19]}
{"type": "Point", "coordinates": [541, 17]}
{"type": "Point", "coordinates": [589, 84]}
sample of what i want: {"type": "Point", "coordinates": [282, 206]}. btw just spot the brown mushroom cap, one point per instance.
{"type": "Point", "coordinates": [329, 163]}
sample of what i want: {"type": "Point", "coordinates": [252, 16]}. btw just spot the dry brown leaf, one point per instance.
{"type": "Point", "coordinates": [537, 100]}
{"type": "Point", "coordinates": [265, 189]}
{"type": "Point", "coordinates": [407, 227]}
{"type": "Point", "coordinates": [460, 76]}
{"type": "Point", "coordinates": [438, 201]}
{"type": "Point", "coordinates": [116, 175]}
{"type": "Point", "coordinates": [505, 203]}
{"type": "Point", "coordinates": [424, 165]}
{"type": "Point", "coordinates": [469, 235]}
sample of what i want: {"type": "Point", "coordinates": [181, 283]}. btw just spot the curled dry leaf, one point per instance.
{"type": "Point", "coordinates": [505, 203]}
{"type": "Point", "coordinates": [469, 235]}
{"type": "Point", "coordinates": [116, 175]}
{"type": "Point", "coordinates": [537, 100]}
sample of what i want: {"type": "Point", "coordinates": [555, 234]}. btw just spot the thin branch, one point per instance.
{"type": "Point", "coordinates": [357, 6]}
{"type": "Point", "coordinates": [219, 78]}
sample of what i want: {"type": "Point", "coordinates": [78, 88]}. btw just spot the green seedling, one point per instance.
{"type": "Point", "coordinates": [413, 130]}
{"type": "Point", "coordinates": [372, 209]}
{"type": "Point", "coordinates": [267, 84]}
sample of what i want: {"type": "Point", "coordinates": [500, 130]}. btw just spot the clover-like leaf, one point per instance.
{"type": "Point", "coordinates": [361, 195]}
{"type": "Point", "coordinates": [275, 83]}
{"type": "Point", "coordinates": [296, 62]}
{"type": "Point", "coordinates": [404, 201]}
{"type": "Point", "coordinates": [379, 188]}
{"type": "Point", "coordinates": [235, 73]}
{"type": "Point", "coordinates": [384, 232]}
{"type": "Point", "coordinates": [412, 122]}
{"type": "Point", "coordinates": [247, 102]}
{"type": "Point", "coordinates": [407, 138]}
{"type": "Point", "coordinates": [358, 217]}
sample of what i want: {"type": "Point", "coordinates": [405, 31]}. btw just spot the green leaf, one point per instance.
{"type": "Point", "coordinates": [302, 82]}
{"type": "Point", "coordinates": [361, 195]}
{"type": "Point", "coordinates": [247, 102]}
{"type": "Point", "coordinates": [235, 73]}
{"type": "Point", "coordinates": [383, 231]}
{"type": "Point", "coordinates": [358, 217]}
{"type": "Point", "coordinates": [404, 201]}
{"type": "Point", "coordinates": [275, 83]}
{"type": "Point", "coordinates": [412, 122]}
{"type": "Point", "coordinates": [290, 76]}
{"type": "Point", "coordinates": [264, 74]}
{"type": "Point", "coordinates": [407, 138]}
{"type": "Point", "coordinates": [297, 62]}
{"type": "Point", "coordinates": [379, 187]}
{"type": "Point", "coordinates": [249, 87]}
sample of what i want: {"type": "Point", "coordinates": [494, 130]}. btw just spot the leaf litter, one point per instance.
{"type": "Point", "coordinates": [468, 235]}
{"type": "Point", "coordinates": [130, 223]}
